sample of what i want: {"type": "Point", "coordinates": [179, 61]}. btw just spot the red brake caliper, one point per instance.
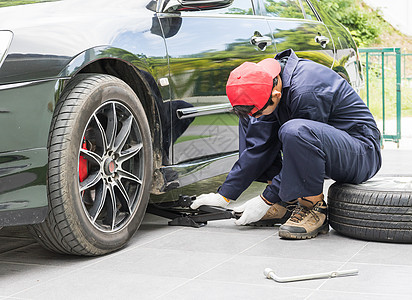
{"type": "Point", "coordinates": [83, 164]}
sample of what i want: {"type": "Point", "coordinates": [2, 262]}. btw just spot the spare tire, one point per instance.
{"type": "Point", "coordinates": [377, 210]}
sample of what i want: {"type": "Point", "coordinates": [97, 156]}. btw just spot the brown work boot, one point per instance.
{"type": "Point", "coordinates": [278, 213]}
{"type": "Point", "coordinates": [307, 221]}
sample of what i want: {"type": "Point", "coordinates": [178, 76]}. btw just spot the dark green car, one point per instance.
{"type": "Point", "coordinates": [103, 103]}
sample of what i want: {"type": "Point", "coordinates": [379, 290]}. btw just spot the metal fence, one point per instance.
{"type": "Point", "coordinates": [377, 62]}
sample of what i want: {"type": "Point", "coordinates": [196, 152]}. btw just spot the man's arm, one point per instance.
{"type": "Point", "coordinates": [259, 149]}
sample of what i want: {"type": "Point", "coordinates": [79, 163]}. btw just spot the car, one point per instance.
{"type": "Point", "coordinates": [104, 103]}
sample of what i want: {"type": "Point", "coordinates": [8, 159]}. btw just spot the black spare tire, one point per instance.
{"type": "Point", "coordinates": [100, 168]}
{"type": "Point", "coordinates": [377, 210]}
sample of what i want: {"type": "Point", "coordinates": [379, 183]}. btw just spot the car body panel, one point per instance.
{"type": "Point", "coordinates": [23, 152]}
{"type": "Point", "coordinates": [199, 70]}
{"type": "Point", "coordinates": [298, 32]}
{"type": "Point", "coordinates": [47, 36]}
{"type": "Point", "coordinates": [347, 58]}
{"type": "Point", "coordinates": [52, 42]}
{"type": "Point", "coordinates": [22, 187]}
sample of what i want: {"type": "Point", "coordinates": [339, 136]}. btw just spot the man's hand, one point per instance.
{"type": "Point", "coordinates": [212, 199]}
{"type": "Point", "coordinates": [252, 211]}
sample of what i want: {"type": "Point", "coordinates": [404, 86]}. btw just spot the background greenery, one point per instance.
{"type": "Point", "coordinates": [364, 24]}
{"type": "Point", "coordinates": [20, 2]}
{"type": "Point", "coordinates": [369, 29]}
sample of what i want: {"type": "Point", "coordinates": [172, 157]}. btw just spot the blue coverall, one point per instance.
{"type": "Point", "coordinates": [322, 128]}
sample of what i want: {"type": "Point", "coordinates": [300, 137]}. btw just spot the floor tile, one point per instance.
{"type": "Point", "coordinates": [164, 262]}
{"type": "Point", "coordinates": [249, 270]}
{"type": "Point", "coordinates": [16, 277]}
{"type": "Point", "coordinates": [396, 162]}
{"type": "Point", "coordinates": [154, 220]}
{"type": "Point", "coordinates": [97, 284]}
{"type": "Point", "coordinates": [35, 254]}
{"type": "Point", "coordinates": [151, 231]}
{"type": "Point", "coordinates": [385, 253]}
{"type": "Point", "coordinates": [374, 279]}
{"type": "Point", "coordinates": [16, 232]}
{"type": "Point", "coordinates": [205, 241]}
{"type": "Point", "coordinates": [325, 247]}
{"type": "Point", "coordinates": [212, 290]}
{"type": "Point", "coordinates": [328, 295]}
{"type": "Point", "coordinates": [9, 243]}
{"type": "Point", "coordinates": [228, 226]}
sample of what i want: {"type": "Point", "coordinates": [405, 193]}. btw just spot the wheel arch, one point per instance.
{"type": "Point", "coordinates": [145, 87]}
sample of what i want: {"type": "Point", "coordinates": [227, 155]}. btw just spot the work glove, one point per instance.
{"type": "Point", "coordinates": [212, 199]}
{"type": "Point", "coordinates": [252, 211]}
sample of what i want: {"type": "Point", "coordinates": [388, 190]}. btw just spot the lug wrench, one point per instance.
{"type": "Point", "coordinates": [270, 274]}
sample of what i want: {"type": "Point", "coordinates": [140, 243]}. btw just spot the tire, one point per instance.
{"type": "Point", "coordinates": [100, 171]}
{"type": "Point", "coordinates": [377, 210]}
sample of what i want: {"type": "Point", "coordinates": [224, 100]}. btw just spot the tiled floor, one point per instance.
{"type": "Point", "coordinates": [218, 261]}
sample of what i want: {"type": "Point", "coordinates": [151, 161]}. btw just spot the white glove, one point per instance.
{"type": "Point", "coordinates": [212, 199]}
{"type": "Point", "coordinates": [252, 211]}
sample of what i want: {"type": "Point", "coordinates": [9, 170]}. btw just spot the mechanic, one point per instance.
{"type": "Point", "coordinates": [300, 122]}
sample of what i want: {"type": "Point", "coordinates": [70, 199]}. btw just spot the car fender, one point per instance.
{"type": "Point", "coordinates": [133, 70]}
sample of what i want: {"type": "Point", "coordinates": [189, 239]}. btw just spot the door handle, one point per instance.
{"type": "Point", "coordinates": [261, 41]}
{"type": "Point", "coordinates": [322, 40]}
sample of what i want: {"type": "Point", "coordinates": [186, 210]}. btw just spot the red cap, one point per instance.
{"type": "Point", "coordinates": [252, 84]}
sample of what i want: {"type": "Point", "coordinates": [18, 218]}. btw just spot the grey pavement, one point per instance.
{"type": "Point", "coordinates": [218, 261]}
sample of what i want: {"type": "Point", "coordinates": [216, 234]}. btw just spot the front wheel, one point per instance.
{"type": "Point", "coordinates": [100, 168]}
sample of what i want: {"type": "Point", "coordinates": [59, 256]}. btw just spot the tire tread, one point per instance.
{"type": "Point", "coordinates": [371, 214]}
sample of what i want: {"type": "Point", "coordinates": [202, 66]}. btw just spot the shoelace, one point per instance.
{"type": "Point", "coordinates": [291, 207]}
{"type": "Point", "coordinates": [301, 212]}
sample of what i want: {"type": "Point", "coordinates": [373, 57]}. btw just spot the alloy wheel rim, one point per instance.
{"type": "Point", "coordinates": [111, 165]}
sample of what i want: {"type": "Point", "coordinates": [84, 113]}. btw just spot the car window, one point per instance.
{"type": "Point", "coordinates": [283, 8]}
{"type": "Point", "coordinates": [308, 11]}
{"type": "Point", "coordinates": [238, 7]}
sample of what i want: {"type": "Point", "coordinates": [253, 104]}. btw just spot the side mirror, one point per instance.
{"type": "Point", "coordinates": [152, 5]}
{"type": "Point", "coordinates": [172, 6]}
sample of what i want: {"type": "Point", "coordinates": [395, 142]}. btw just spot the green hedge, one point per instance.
{"type": "Point", "coordinates": [363, 23]}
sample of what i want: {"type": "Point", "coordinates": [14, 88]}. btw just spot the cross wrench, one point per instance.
{"type": "Point", "coordinates": [270, 274]}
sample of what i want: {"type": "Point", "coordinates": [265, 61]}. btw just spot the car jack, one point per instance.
{"type": "Point", "coordinates": [181, 214]}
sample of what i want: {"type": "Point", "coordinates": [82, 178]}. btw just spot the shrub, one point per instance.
{"type": "Point", "coordinates": [363, 23]}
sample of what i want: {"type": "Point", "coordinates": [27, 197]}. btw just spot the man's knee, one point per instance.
{"type": "Point", "coordinates": [296, 129]}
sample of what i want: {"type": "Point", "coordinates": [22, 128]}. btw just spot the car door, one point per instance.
{"type": "Point", "coordinates": [346, 55]}
{"type": "Point", "coordinates": [297, 27]}
{"type": "Point", "coordinates": [205, 46]}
